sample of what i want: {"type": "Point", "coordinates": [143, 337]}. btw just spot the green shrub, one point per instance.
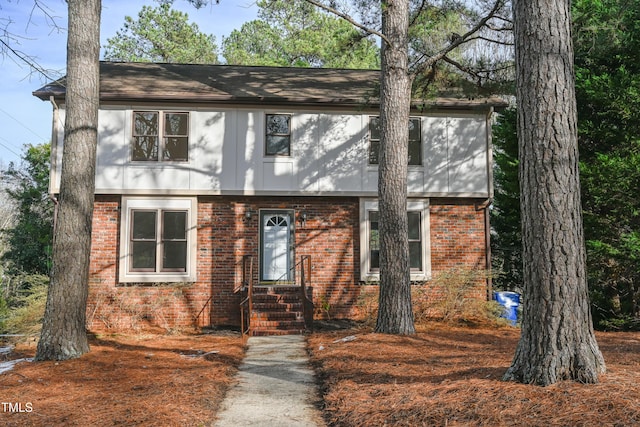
{"type": "Point", "coordinates": [26, 306]}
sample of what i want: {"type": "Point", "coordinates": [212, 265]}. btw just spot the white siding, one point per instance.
{"type": "Point", "coordinates": [329, 155]}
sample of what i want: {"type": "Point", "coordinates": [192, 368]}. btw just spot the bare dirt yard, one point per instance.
{"type": "Point", "coordinates": [443, 376]}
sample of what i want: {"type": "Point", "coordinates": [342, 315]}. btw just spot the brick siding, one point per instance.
{"type": "Point", "coordinates": [330, 235]}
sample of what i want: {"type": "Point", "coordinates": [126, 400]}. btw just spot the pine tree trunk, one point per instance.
{"type": "Point", "coordinates": [395, 313]}
{"type": "Point", "coordinates": [557, 341]}
{"type": "Point", "coordinates": [64, 331]}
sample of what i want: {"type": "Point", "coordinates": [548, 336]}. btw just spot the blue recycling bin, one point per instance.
{"type": "Point", "coordinates": [510, 301]}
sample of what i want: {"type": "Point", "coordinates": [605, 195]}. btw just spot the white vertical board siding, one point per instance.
{"type": "Point", "coordinates": [468, 171]}
{"type": "Point", "coordinates": [329, 154]}
{"type": "Point", "coordinates": [113, 149]}
{"type": "Point", "coordinates": [305, 149]}
{"type": "Point", "coordinates": [212, 143]}
{"type": "Point", "coordinates": [435, 154]}
{"type": "Point", "coordinates": [249, 143]}
{"type": "Point", "coordinates": [343, 152]}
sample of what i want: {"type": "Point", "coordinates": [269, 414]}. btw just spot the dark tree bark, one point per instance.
{"type": "Point", "coordinates": [63, 331]}
{"type": "Point", "coordinates": [395, 313]}
{"type": "Point", "coordinates": [557, 341]}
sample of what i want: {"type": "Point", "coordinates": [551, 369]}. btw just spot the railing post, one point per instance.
{"type": "Point", "coordinates": [247, 281]}
{"type": "Point", "coordinates": [305, 277]}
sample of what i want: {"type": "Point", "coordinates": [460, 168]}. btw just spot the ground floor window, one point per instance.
{"type": "Point", "coordinates": [418, 221]}
{"type": "Point", "coordinates": [158, 238]}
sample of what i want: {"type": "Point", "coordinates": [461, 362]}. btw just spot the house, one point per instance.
{"type": "Point", "coordinates": [212, 180]}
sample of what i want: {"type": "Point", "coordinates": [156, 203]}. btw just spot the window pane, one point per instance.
{"type": "Point", "coordinates": [374, 241]}
{"type": "Point", "coordinates": [277, 145]}
{"type": "Point", "coordinates": [175, 256]}
{"type": "Point", "coordinates": [278, 124]}
{"type": "Point", "coordinates": [415, 255]}
{"type": "Point", "coordinates": [176, 124]}
{"type": "Point", "coordinates": [374, 128]}
{"type": "Point", "coordinates": [176, 149]}
{"type": "Point", "coordinates": [145, 148]}
{"type": "Point", "coordinates": [374, 140]}
{"type": "Point", "coordinates": [415, 142]}
{"type": "Point", "coordinates": [414, 130]}
{"type": "Point", "coordinates": [144, 225]}
{"type": "Point", "coordinates": [143, 256]}
{"type": "Point", "coordinates": [374, 149]}
{"type": "Point", "coordinates": [174, 226]}
{"type": "Point", "coordinates": [145, 123]}
{"type": "Point", "coordinates": [414, 225]}
{"type": "Point", "coordinates": [415, 153]}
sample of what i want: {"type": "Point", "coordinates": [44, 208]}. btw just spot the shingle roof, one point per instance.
{"type": "Point", "coordinates": [121, 81]}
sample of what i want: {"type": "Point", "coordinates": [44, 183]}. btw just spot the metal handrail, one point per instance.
{"type": "Point", "coordinates": [197, 317]}
{"type": "Point", "coordinates": [246, 305]}
{"type": "Point", "coordinates": [307, 304]}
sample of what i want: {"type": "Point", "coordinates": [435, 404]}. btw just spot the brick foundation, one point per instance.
{"type": "Point", "coordinates": [330, 235]}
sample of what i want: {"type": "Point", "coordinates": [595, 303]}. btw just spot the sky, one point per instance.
{"type": "Point", "coordinates": [25, 119]}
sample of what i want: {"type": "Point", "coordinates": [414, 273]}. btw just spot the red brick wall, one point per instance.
{"type": "Point", "coordinates": [330, 236]}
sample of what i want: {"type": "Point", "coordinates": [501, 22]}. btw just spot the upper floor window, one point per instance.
{"type": "Point", "coordinates": [160, 136]}
{"type": "Point", "coordinates": [415, 141]}
{"type": "Point", "coordinates": [278, 135]}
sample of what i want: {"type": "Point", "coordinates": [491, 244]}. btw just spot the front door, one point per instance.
{"type": "Point", "coordinates": [276, 241]}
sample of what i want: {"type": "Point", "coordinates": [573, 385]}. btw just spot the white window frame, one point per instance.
{"type": "Point", "coordinates": [129, 204]}
{"type": "Point", "coordinates": [370, 140]}
{"type": "Point", "coordinates": [366, 272]}
{"type": "Point", "coordinates": [267, 134]}
{"type": "Point", "coordinates": [162, 136]}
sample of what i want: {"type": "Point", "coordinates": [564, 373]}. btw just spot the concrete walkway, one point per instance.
{"type": "Point", "coordinates": [275, 386]}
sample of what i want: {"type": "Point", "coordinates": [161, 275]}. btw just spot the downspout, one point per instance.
{"type": "Point", "coordinates": [53, 159]}
{"type": "Point", "coordinates": [487, 244]}
{"type": "Point", "coordinates": [487, 204]}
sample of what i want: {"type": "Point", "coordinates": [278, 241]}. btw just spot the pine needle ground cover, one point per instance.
{"type": "Point", "coordinates": [451, 376]}
{"type": "Point", "coordinates": [442, 376]}
{"type": "Point", "coordinates": [163, 380]}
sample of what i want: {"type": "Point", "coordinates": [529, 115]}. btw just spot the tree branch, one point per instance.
{"type": "Point", "coordinates": [458, 41]}
{"type": "Point", "coordinates": [349, 19]}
